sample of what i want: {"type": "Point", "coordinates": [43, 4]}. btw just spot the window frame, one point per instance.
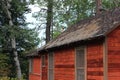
{"type": "Point", "coordinates": [43, 58]}
{"type": "Point", "coordinates": [85, 62]}
{"type": "Point", "coordinates": [49, 65]}
{"type": "Point", "coordinates": [31, 62]}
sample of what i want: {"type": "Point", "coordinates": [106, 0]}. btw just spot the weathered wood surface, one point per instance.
{"type": "Point", "coordinates": [95, 61]}
{"type": "Point", "coordinates": [64, 62]}
{"type": "Point", "coordinates": [113, 43]}
{"type": "Point", "coordinates": [36, 69]}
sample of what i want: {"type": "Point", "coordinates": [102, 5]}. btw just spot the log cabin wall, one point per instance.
{"type": "Point", "coordinates": [64, 64]}
{"type": "Point", "coordinates": [36, 69]}
{"type": "Point", "coordinates": [113, 46]}
{"type": "Point", "coordinates": [95, 61]}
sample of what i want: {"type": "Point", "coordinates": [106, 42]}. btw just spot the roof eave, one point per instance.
{"type": "Point", "coordinates": [72, 44]}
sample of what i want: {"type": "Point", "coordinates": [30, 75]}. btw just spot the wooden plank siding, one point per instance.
{"type": "Point", "coordinates": [34, 77]}
{"type": "Point", "coordinates": [113, 43]}
{"type": "Point", "coordinates": [95, 61]}
{"type": "Point", "coordinates": [64, 64]}
{"type": "Point", "coordinates": [36, 69]}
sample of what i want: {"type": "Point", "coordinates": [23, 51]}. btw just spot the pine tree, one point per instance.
{"type": "Point", "coordinates": [7, 6]}
{"type": "Point", "coordinates": [15, 38]}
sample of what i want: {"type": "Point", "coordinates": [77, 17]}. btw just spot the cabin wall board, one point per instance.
{"type": "Point", "coordinates": [36, 69]}
{"type": "Point", "coordinates": [113, 43]}
{"type": "Point", "coordinates": [64, 64]}
{"type": "Point", "coordinates": [95, 67]}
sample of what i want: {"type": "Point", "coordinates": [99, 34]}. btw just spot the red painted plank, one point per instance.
{"type": "Point", "coordinates": [95, 61]}
{"type": "Point", "coordinates": [64, 61]}
{"type": "Point", "coordinates": [113, 43]}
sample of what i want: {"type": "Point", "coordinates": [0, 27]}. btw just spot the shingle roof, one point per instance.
{"type": "Point", "coordinates": [85, 29]}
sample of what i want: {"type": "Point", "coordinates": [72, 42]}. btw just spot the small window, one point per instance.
{"type": "Point", "coordinates": [43, 60]}
{"type": "Point", "coordinates": [30, 65]}
{"type": "Point", "coordinates": [80, 63]}
{"type": "Point", "coordinates": [50, 66]}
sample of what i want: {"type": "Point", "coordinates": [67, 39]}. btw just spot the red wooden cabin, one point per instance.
{"type": "Point", "coordinates": [88, 50]}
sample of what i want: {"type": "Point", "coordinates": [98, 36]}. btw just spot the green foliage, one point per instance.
{"type": "Point", "coordinates": [68, 12]}
{"type": "Point", "coordinates": [4, 67]}
{"type": "Point", "coordinates": [110, 4]}
{"type": "Point", "coordinates": [8, 78]}
{"type": "Point", "coordinates": [26, 39]}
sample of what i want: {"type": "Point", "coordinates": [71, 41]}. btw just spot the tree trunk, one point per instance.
{"type": "Point", "coordinates": [17, 63]}
{"type": "Point", "coordinates": [13, 41]}
{"type": "Point", "coordinates": [98, 6]}
{"type": "Point", "coordinates": [49, 20]}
